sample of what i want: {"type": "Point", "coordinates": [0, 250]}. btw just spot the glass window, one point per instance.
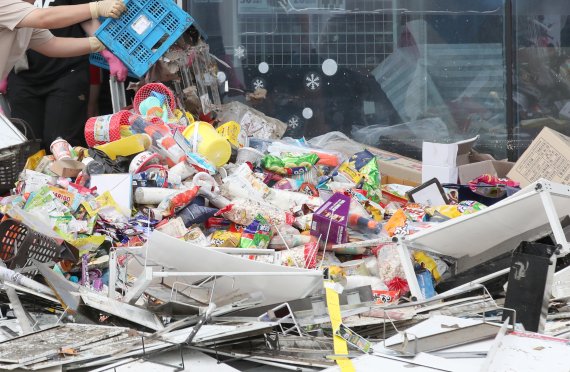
{"type": "Point", "coordinates": [542, 72]}
{"type": "Point", "coordinates": [388, 73]}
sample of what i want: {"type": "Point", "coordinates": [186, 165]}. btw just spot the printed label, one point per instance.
{"type": "Point", "coordinates": [101, 128]}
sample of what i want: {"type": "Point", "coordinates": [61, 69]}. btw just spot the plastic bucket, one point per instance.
{"type": "Point", "coordinates": [104, 129]}
{"type": "Point", "coordinates": [205, 140]}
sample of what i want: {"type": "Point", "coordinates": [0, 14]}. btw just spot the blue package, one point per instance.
{"type": "Point", "coordinates": [426, 282]}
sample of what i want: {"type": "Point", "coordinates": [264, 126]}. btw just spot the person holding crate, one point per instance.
{"type": "Point", "coordinates": [24, 26]}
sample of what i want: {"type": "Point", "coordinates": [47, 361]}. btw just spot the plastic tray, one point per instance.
{"type": "Point", "coordinates": [144, 32]}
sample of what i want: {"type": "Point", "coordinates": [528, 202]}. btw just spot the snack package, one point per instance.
{"type": "Point", "coordinates": [244, 211]}
{"type": "Point", "coordinates": [425, 280]}
{"type": "Point", "coordinates": [223, 238]}
{"type": "Point", "coordinates": [174, 203]}
{"type": "Point", "coordinates": [257, 234]}
{"type": "Point", "coordinates": [415, 212]}
{"type": "Point", "coordinates": [397, 224]}
{"type": "Point", "coordinates": [362, 169]}
{"type": "Point", "coordinates": [289, 164]}
{"type": "Point", "coordinates": [436, 267]}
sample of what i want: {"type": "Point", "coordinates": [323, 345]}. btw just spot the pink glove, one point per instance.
{"type": "Point", "coordinates": [117, 67]}
{"type": "Point", "coordinates": [4, 85]}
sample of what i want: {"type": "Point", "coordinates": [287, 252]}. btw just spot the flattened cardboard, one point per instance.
{"type": "Point", "coordinates": [548, 156]}
{"type": "Point", "coordinates": [67, 168]}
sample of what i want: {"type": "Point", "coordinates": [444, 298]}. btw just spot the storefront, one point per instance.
{"type": "Point", "coordinates": [395, 73]}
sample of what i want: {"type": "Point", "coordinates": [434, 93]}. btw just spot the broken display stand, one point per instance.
{"type": "Point", "coordinates": [476, 238]}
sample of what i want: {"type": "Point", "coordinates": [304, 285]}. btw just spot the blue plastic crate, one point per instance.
{"type": "Point", "coordinates": [96, 59]}
{"type": "Point", "coordinates": [139, 30]}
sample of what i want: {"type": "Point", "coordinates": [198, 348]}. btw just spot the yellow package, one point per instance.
{"type": "Point", "coordinates": [233, 133]}
{"type": "Point", "coordinates": [104, 200]}
{"type": "Point", "coordinates": [397, 224]}
{"type": "Point", "coordinates": [429, 264]}
{"type": "Point", "coordinates": [450, 211]}
{"type": "Point", "coordinates": [223, 238]}
{"type": "Point", "coordinates": [34, 160]}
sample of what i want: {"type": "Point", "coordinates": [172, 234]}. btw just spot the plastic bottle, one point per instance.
{"type": "Point", "coordinates": [152, 195]}
{"type": "Point", "coordinates": [126, 146]}
{"type": "Point", "coordinates": [182, 170]}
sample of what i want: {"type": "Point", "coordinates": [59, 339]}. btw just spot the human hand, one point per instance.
{"type": "Point", "coordinates": [95, 44]}
{"type": "Point", "coordinates": [107, 8]}
{"type": "Point", "coordinates": [4, 85]}
{"type": "Point", "coordinates": [116, 67]}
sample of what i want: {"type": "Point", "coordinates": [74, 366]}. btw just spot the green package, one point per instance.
{"type": "Point", "coordinates": [372, 181]}
{"type": "Point", "coordinates": [289, 164]}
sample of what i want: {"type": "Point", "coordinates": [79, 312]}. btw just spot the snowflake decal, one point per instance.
{"type": "Point", "coordinates": [239, 52]}
{"type": "Point", "coordinates": [258, 83]}
{"type": "Point", "coordinates": [312, 81]}
{"type": "Point", "coordinates": [294, 122]}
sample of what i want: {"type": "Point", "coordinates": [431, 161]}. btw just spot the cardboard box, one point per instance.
{"type": "Point", "coordinates": [67, 168]}
{"type": "Point", "coordinates": [498, 168]}
{"type": "Point", "coordinates": [458, 162]}
{"type": "Point", "coordinates": [330, 220]}
{"type": "Point", "coordinates": [548, 156]}
{"type": "Point", "coordinates": [441, 160]}
{"type": "Point", "coordinates": [398, 169]}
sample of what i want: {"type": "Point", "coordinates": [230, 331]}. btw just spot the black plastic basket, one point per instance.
{"type": "Point", "coordinates": [13, 158]}
{"type": "Point", "coordinates": [19, 245]}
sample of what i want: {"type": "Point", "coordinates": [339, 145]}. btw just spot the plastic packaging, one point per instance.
{"type": "Point", "coordinates": [257, 234]}
{"type": "Point", "coordinates": [205, 140]}
{"type": "Point", "coordinates": [232, 132]}
{"type": "Point", "coordinates": [161, 138]}
{"type": "Point", "coordinates": [194, 214]}
{"type": "Point", "coordinates": [244, 211]}
{"type": "Point", "coordinates": [174, 203]}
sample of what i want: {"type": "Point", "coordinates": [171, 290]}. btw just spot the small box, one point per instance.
{"type": "Point", "coordinates": [330, 220]}
{"type": "Point", "coordinates": [441, 160]}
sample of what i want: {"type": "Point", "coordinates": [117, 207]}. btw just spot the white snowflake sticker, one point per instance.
{"type": "Point", "coordinates": [239, 52]}
{"type": "Point", "coordinates": [258, 83]}
{"type": "Point", "coordinates": [312, 81]}
{"type": "Point", "coordinates": [294, 122]}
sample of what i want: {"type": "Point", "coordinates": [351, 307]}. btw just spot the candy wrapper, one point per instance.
{"type": "Point", "coordinates": [468, 207]}
{"type": "Point", "coordinates": [415, 212]}
{"type": "Point", "coordinates": [257, 234]}
{"type": "Point", "coordinates": [289, 164]}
